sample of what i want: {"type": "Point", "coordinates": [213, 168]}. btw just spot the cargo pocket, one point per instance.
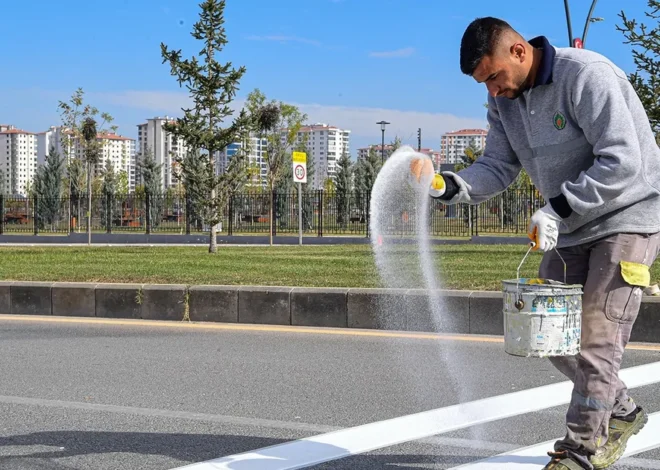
{"type": "Point", "coordinates": [625, 293]}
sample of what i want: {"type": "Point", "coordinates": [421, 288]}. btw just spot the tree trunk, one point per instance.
{"type": "Point", "coordinates": [272, 214]}
{"type": "Point", "coordinates": [89, 203]}
{"type": "Point", "coordinates": [213, 242]}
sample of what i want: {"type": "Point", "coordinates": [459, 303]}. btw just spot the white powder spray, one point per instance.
{"type": "Point", "coordinates": [417, 302]}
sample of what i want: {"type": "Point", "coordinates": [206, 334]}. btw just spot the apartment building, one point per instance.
{"type": "Point", "coordinates": [165, 148]}
{"type": "Point", "coordinates": [453, 144]}
{"type": "Point", "coordinates": [118, 149]}
{"type": "Point", "coordinates": [325, 144]}
{"type": "Point", "coordinates": [383, 152]}
{"type": "Point", "coordinates": [255, 158]}
{"type": "Point", "coordinates": [18, 159]}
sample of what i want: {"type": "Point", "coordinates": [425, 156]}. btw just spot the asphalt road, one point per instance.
{"type": "Point", "coordinates": [81, 394]}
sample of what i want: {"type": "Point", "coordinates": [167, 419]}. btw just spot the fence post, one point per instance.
{"type": "Point", "coordinates": [2, 214]}
{"type": "Point", "coordinates": [320, 199]}
{"type": "Point", "coordinates": [187, 214]}
{"type": "Point", "coordinates": [108, 213]}
{"type": "Point", "coordinates": [230, 230]}
{"type": "Point", "coordinates": [35, 215]}
{"type": "Point", "coordinates": [147, 211]}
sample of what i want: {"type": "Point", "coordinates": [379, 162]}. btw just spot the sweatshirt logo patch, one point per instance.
{"type": "Point", "coordinates": [559, 121]}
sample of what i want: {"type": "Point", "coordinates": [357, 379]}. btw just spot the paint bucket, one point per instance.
{"type": "Point", "coordinates": [542, 317]}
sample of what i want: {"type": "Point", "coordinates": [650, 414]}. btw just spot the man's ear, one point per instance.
{"type": "Point", "coordinates": [519, 51]}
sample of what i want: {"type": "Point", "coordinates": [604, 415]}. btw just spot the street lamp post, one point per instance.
{"type": "Point", "coordinates": [382, 146]}
{"type": "Point", "coordinates": [579, 42]}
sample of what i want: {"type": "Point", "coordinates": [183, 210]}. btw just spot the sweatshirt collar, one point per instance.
{"type": "Point", "coordinates": [544, 73]}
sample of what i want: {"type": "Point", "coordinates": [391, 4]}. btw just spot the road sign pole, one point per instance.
{"type": "Point", "coordinates": [300, 230]}
{"type": "Point", "coordinates": [299, 160]}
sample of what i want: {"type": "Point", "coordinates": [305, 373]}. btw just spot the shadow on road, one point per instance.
{"type": "Point", "coordinates": [193, 448]}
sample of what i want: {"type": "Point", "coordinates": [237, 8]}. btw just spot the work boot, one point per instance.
{"type": "Point", "coordinates": [620, 430]}
{"type": "Point", "coordinates": [562, 461]}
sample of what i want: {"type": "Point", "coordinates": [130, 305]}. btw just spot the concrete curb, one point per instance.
{"type": "Point", "coordinates": [468, 312]}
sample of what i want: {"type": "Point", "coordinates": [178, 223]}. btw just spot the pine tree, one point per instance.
{"type": "Point", "coordinates": [48, 188]}
{"type": "Point", "coordinates": [646, 79]}
{"type": "Point", "coordinates": [212, 87]}
{"type": "Point", "coordinates": [151, 176]}
{"type": "Point", "coordinates": [343, 188]}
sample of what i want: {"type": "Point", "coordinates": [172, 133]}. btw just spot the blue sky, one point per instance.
{"type": "Point", "coordinates": [348, 63]}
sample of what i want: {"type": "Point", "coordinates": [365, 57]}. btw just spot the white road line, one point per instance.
{"type": "Point", "coordinates": [536, 457]}
{"type": "Point", "coordinates": [351, 441]}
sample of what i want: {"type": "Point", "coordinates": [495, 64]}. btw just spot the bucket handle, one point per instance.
{"type": "Point", "coordinates": [531, 246]}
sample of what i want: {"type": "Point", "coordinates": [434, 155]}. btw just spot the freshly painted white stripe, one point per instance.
{"type": "Point", "coordinates": [536, 457]}
{"type": "Point", "coordinates": [351, 441]}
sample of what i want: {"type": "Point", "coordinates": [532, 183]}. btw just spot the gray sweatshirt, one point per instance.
{"type": "Point", "coordinates": [584, 138]}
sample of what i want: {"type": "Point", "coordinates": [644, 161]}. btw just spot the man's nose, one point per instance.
{"type": "Point", "coordinates": [493, 89]}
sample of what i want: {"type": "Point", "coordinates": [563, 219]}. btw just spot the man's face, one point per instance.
{"type": "Point", "coordinates": [503, 73]}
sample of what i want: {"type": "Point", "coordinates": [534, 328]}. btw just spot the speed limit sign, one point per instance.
{"type": "Point", "coordinates": [299, 167]}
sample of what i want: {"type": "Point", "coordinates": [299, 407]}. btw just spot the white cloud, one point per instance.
{"type": "Point", "coordinates": [360, 120]}
{"type": "Point", "coordinates": [284, 39]}
{"type": "Point", "coordinates": [405, 52]}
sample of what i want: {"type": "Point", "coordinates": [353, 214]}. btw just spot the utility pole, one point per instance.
{"type": "Point", "coordinates": [419, 139]}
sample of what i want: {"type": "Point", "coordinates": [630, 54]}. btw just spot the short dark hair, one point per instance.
{"type": "Point", "coordinates": [479, 40]}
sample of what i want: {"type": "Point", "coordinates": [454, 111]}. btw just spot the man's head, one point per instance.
{"type": "Point", "coordinates": [493, 53]}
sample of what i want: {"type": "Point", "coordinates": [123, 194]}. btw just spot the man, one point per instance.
{"type": "Point", "coordinates": [571, 119]}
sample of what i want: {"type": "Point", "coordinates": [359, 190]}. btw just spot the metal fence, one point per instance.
{"type": "Point", "coordinates": [249, 213]}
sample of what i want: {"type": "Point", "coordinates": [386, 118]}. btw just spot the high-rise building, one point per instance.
{"type": "Point", "coordinates": [164, 147]}
{"type": "Point", "coordinates": [255, 158]}
{"type": "Point", "coordinates": [325, 144]}
{"type": "Point", "coordinates": [453, 144]}
{"type": "Point", "coordinates": [118, 149]}
{"type": "Point", "coordinates": [18, 159]}
{"type": "Point", "coordinates": [363, 152]}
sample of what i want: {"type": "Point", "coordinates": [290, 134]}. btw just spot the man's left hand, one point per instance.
{"type": "Point", "coordinates": [544, 228]}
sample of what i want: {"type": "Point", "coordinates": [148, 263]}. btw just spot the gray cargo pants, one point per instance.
{"type": "Point", "coordinates": [611, 302]}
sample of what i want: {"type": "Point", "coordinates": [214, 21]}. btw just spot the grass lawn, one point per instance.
{"type": "Point", "coordinates": [479, 267]}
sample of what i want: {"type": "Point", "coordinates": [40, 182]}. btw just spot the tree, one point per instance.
{"type": "Point", "coordinates": [646, 79]}
{"type": "Point", "coordinates": [2, 183]}
{"type": "Point", "coordinates": [343, 188]}
{"type": "Point", "coordinates": [151, 177]}
{"type": "Point", "coordinates": [366, 171]}
{"type": "Point", "coordinates": [75, 116]}
{"type": "Point", "coordinates": [122, 184]}
{"type": "Point", "coordinates": [48, 187]}
{"type": "Point", "coordinates": [212, 87]}
{"type": "Point", "coordinates": [278, 123]}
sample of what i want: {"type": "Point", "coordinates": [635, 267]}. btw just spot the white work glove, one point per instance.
{"type": "Point", "coordinates": [544, 228]}
{"type": "Point", "coordinates": [464, 189]}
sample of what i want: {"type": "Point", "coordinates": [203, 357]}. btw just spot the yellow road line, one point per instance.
{"type": "Point", "coordinates": [278, 329]}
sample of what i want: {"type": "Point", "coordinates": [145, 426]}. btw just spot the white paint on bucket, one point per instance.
{"type": "Point", "coordinates": [542, 318]}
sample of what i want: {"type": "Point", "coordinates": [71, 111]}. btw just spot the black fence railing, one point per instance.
{"type": "Point", "coordinates": [323, 213]}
